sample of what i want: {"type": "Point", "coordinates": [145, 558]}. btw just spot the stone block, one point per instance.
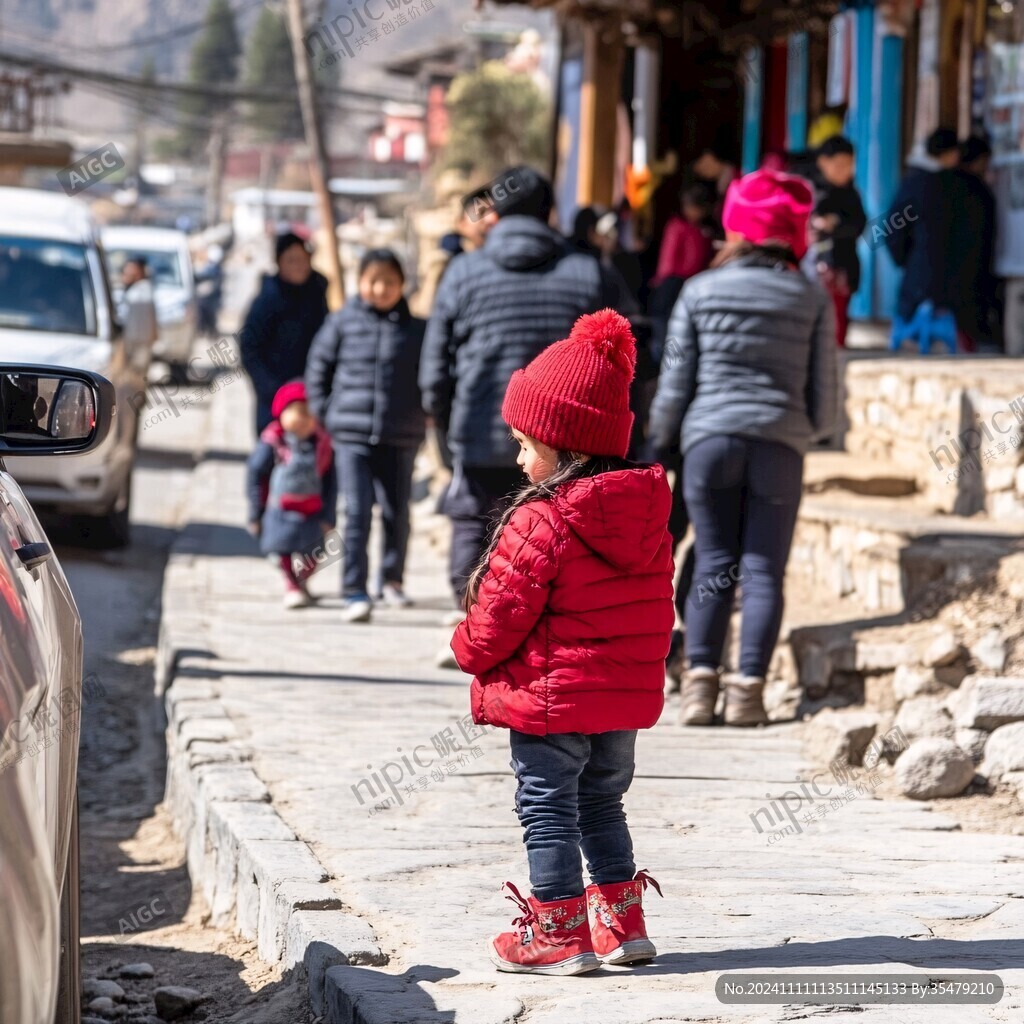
{"type": "Point", "coordinates": [1004, 752]}
{"type": "Point", "coordinates": [933, 768]}
{"type": "Point", "coordinates": [923, 716]}
{"type": "Point", "coordinates": [987, 702]}
{"type": "Point", "coordinates": [840, 735]}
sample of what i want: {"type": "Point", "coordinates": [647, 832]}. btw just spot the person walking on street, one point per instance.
{"type": "Point", "coordinates": [837, 221]}
{"type": "Point", "coordinates": [281, 322]}
{"type": "Point", "coordinates": [569, 616]}
{"type": "Point", "coordinates": [974, 239]}
{"type": "Point", "coordinates": [495, 310]}
{"type": "Point", "coordinates": [920, 238]}
{"type": "Point", "coordinates": [748, 379]}
{"type": "Point", "coordinates": [292, 490]}
{"type": "Point", "coordinates": [361, 378]}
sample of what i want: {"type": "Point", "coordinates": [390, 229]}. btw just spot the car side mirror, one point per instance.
{"type": "Point", "coordinates": [48, 410]}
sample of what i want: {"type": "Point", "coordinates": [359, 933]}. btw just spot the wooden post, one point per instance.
{"type": "Point", "coordinates": [317, 157]}
{"type": "Point", "coordinates": [599, 98]}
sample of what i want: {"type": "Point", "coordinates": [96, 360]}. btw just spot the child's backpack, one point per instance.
{"type": "Point", "coordinates": [295, 484]}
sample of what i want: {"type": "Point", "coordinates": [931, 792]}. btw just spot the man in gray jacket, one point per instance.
{"type": "Point", "coordinates": [496, 309]}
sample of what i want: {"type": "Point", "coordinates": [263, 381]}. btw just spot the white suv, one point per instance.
{"type": "Point", "coordinates": [56, 310]}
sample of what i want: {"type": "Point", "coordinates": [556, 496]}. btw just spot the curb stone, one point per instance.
{"type": "Point", "coordinates": [254, 873]}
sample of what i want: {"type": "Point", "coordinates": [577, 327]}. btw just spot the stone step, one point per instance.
{"type": "Point", "coordinates": [883, 554]}
{"type": "Point", "coordinates": [832, 471]}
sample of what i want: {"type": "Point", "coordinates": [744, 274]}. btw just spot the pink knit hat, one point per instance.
{"type": "Point", "coordinates": [293, 391]}
{"type": "Point", "coordinates": [769, 206]}
{"type": "Point", "coordinates": [574, 396]}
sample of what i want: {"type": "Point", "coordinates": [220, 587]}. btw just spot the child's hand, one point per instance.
{"type": "Point", "coordinates": [325, 528]}
{"type": "Point", "coordinates": [256, 528]}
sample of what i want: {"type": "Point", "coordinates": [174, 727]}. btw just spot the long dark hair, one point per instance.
{"type": "Point", "coordinates": [569, 466]}
{"type": "Point", "coordinates": [772, 253]}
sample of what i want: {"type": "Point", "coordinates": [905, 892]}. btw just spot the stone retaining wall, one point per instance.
{"type": "Point", "coordinates": [956, 424]}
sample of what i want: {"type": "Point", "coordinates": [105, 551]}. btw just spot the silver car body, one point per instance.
{"type": "Point", "coordinates": [40, 688]}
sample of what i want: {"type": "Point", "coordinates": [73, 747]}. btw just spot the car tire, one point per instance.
{"type": "Point", "coordinates": [69, 998]}
{"type": "Point", "coordinates": [114, 530]}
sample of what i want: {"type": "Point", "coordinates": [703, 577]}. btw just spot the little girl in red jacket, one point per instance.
{"type": "Point", "coordinates": [569, 621]}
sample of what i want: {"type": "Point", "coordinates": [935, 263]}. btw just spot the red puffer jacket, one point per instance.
{"type": "Point", "coordinates": [574, 617]}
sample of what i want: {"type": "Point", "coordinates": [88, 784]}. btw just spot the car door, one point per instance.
{"type": "Point", "coordinates": [40, 667]}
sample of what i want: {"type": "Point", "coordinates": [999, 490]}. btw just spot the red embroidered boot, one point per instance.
{"type": "Point", "coordinates": [617, 920]}
{"type": "Point", "coordinates": [551, 938]}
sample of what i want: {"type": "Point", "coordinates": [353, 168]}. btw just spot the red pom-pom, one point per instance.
{"type": "Point", "coordinates": [609, 332]}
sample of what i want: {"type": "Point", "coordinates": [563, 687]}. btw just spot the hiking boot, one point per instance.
{"type": "Point", "coordinates": [700, 694]}
{"type": "Point", "coordinates": [549, 938]}
{"type": "Point", "coordinates": [675, 663]}
{"type": "Point", "coordinates": [617, 920]}
{"type": "Point", "coordinates": [744, 701]}
{"type": "Point", "coordinates": [357, 609]}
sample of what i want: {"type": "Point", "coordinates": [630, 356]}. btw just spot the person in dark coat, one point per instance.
{"type": "Point", "coordinates": [837, 221]}
{"type": "Point", "coordinates": [361, 378]}
{"type": "Point", "coordinates": [496, 309]}
{"type": "Point", "coordinates": [974, 241]}
{"type": "Point", "coordinates": [919, 230]}
{"type": "Point", "coordinates": [281, 322]}
{"type": "Point", "coordinates": [293, 491]}
{"type": "Point", "coordinates": [748, 380]}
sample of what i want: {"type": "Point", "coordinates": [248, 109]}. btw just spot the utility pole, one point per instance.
{"type": "Point", "coordinates": [317, 156]}
{"type": "Point", "coordinates": [218, 147]}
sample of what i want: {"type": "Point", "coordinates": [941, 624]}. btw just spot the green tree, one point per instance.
{"type": "Point", "coordinates": [214, 61]}
{"type": "Point", "coordinates": [497, 118]}
{"type": "Point", "coordinates": [269, 65]}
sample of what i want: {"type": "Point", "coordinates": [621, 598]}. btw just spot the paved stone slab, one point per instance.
{"type": "Point", "coordinates": [407, 810]}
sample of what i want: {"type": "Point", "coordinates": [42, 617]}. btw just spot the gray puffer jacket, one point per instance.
{"type": "Point", "coordinates": [751, 352]}
{"type": "Point", "coordinates": [496, 309]}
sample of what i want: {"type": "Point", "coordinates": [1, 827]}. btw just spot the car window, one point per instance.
{"type": "Point", "coordinates": [164, 265]}
{"type": "Point", "coordinates": [45, 286]}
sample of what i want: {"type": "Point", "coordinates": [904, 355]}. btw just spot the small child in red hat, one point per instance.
{"type": "Point", "coordinates": [569, 621]}
{"type": "Point", "coordinates": [293, 492]}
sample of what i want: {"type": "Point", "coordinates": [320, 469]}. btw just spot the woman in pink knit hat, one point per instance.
{"type": "Point", "coordinates": [747, 381]}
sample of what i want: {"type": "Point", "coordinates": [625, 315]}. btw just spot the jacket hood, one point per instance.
{"type": "Point", "coordinates": [522, 243]}
{"type": "Point", "coordinates": [621, 516]}
{"type": "Point", "coordinates": [273, 289]}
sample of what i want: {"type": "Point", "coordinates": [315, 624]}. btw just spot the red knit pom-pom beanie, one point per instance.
{"type": "Point", "coordinates": [575, 395]}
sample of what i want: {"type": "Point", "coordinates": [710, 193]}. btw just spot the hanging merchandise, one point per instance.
{"type": "Point", "coordinates": [1005, 123]}
{"type": "Point", "coordinates": [837, 85]}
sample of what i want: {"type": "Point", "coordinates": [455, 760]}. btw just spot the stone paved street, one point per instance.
{"type": "Point", "coordinates": [329, 712]}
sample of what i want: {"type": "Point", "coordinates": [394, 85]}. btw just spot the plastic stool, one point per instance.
{"type": "Point", "coordinates": [928, 325]}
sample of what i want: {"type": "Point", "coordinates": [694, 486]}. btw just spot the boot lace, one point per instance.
{"type": "Point", "coordinates": [526, 921]}
{"type": "Point", "coordinates": [645, 879]}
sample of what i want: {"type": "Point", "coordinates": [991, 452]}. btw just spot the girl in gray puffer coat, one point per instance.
{"type": "Point", "coordinates": [747, 382]}
{"type": "Point", "coordinates": [361, 378]}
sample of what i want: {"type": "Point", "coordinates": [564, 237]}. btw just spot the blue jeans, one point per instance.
{"type": "Point", "coordinates": [368, 474]}
{"type": "Point", "coordinates": [570, 798]}
{"type": "Point", "coordinates": [742, 496]}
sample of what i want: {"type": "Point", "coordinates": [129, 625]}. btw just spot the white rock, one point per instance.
{"type": "Point", "coordinates": [1004, 751]}
{"type": "Point", "coordinates": [990, 651]}
{"type": "Point", "coordinates": [943, 650]}
{"type": "Point", "coordinates": [972, 742]}
{"type": "Point", "coordinates": [910, 682]}
{"type": "Point", "coordinates": [932, 768]}
{"type": "Point", "coordinates": [987, 702]}
{"type": "Point", "coordinates": [924, 716]}
{"type": "Point", "coordinates": [840, 735]}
